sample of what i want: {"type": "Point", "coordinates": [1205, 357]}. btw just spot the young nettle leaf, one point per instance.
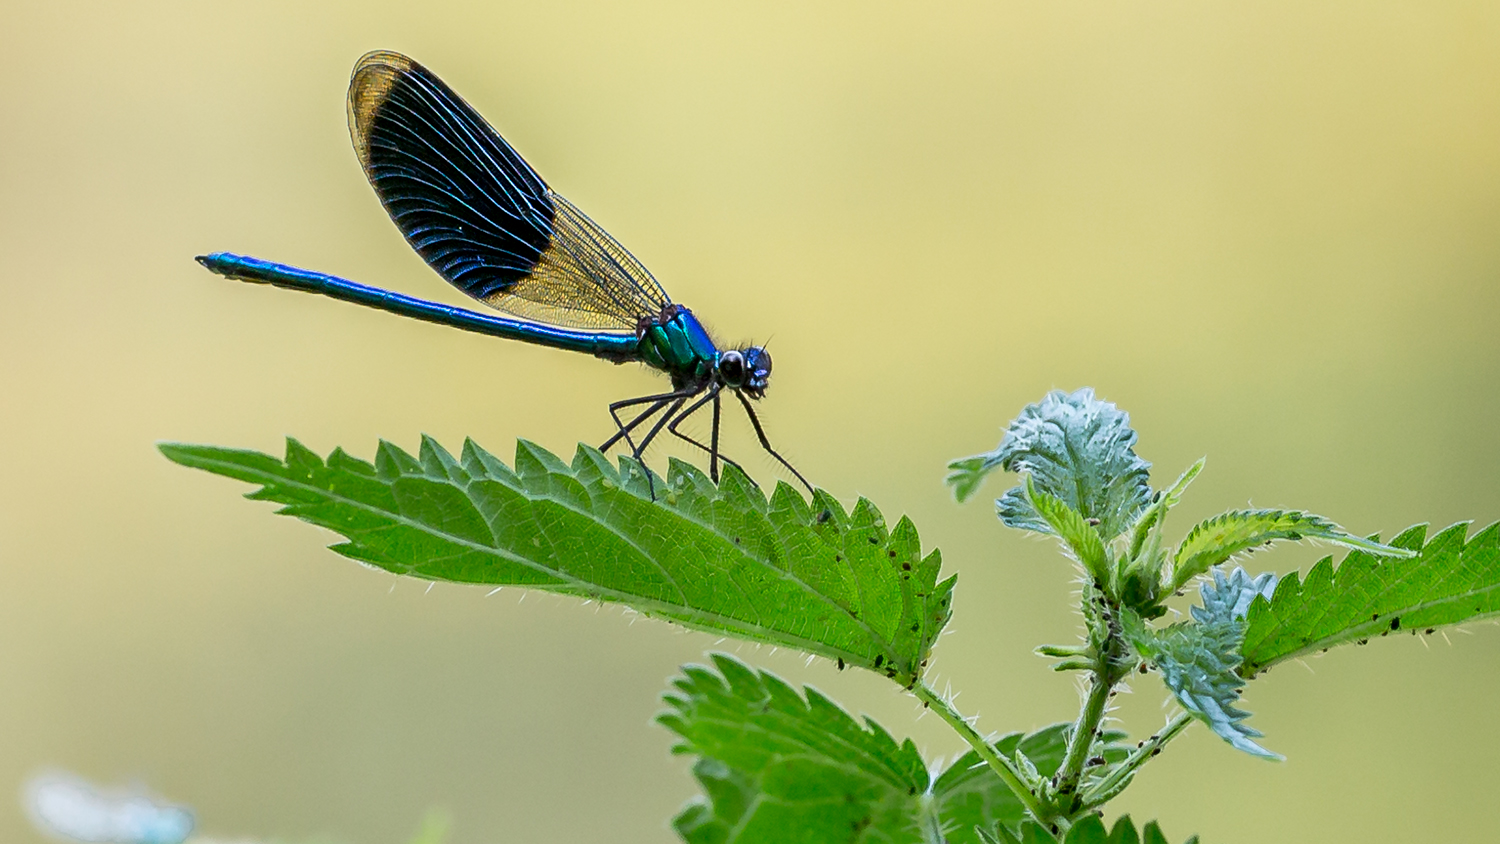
{"type": "Point", "coordinates": [967, 473]}
{"type": "Point", "coordinates": [1148, 527]}
{"type": "Point", "coordinates": [1199, 659]}
{"type": "Point", "coordinates": [718, 558]}
{"type": "Point", "coordinates": [1447, 581]}
{"type": "Point", "coordinates": [1074, 657]}
{"type": "Point", "coordinates": [1080, 538]}
{"type": "Point", "coordinates": [1217, 540]}
{"type": "Point", "coordinates": [1079, 449]}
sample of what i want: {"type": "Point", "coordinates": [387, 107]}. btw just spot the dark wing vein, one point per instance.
{"type": "Point", "coordinates": [478, 214]}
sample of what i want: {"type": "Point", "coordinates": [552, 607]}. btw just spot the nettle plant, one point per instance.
{"type": "Point", "coordinates": [777, 764]}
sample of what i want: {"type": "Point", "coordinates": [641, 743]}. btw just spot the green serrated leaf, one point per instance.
{"type": "Point", "coordinates": [1078, 449]}
{"type": "Point", "coordinates": [1216, 540]}
{"type": "Point", "coordinates": [1152, 834]}
{"type": "Point", "coordinates": [1089, 830]}
{"type": "Point", "coordinates": [969, 794]}
{"type": "Point", "coordinates": [778, 766]}
{"type": "Point", "coordinates": [1448, 580]}
{"type": "Point", "coordinates": [1081, 539]}
{"type": "Point", "coordinates": [1198, 660]}
{"type": "Point", "coordinates": [1153, 516]}
{"type": "Point", "coordinates": [1123, 832]}
{"type": "Point", "coordinates": [723, 559]}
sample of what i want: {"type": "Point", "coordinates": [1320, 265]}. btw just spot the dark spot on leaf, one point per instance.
{"type": "Point", "coordinates": [1428, 631]}
{"type": "Point", "coordinates": [736, 540]}
{"type": "Point", "coordinates": [874, 540]}
{"type": "Point", "coordinates": [837, 558]}
{"type": "Point", "coordinates": [841, 663]}
{"type": "Point", "coordinates": [879, 658]}
{"type": "Point", "coordinates": [1395, 622]}
{"type": "Point", "coordinates": [892, 554]}
{"type": "Point", "coordinates": [906, 566]}
{"type": "Point", "coordinates": [824, 516]}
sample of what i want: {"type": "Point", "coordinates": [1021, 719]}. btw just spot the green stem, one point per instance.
{"type": "Point", "coordinates": [1002, 767]}
{"type": "Point", "coordinates": [1107, 787]}
{"type": "Point", "coordinates": [1071, 769]}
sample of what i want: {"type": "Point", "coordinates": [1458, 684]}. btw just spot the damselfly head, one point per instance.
{"type": "Point", "coordinates": [747, 370]}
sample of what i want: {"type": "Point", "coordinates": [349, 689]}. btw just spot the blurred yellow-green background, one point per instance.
{"type": "Point", "coordinates": [1271, 231]}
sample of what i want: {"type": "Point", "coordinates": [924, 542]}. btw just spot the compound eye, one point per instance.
{"type": "Point", "coordinates": [760, 362]}
{"type": "Point", "coordinates": [732, 368]}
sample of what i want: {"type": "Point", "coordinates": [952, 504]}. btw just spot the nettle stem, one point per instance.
{"type": "Point", "coordinates": [1059, 803]}
{"type": "Point", "coordinates": [1102, 791]}
{"type": "Point", "coordinates": [1002, 767]}
{"type": "Point", "coordinates": [1085, 730]}
{"type": "Point", "coordinates": [1112, 661]}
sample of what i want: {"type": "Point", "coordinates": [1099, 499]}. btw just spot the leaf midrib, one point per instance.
{"type": "Point", "coordinates": [1355, 631]}
{"type": "Point", "coordinates": [641, 603]}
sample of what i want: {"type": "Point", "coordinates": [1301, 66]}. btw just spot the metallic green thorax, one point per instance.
{"type": "Point", "coordinates": [676, 344]}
